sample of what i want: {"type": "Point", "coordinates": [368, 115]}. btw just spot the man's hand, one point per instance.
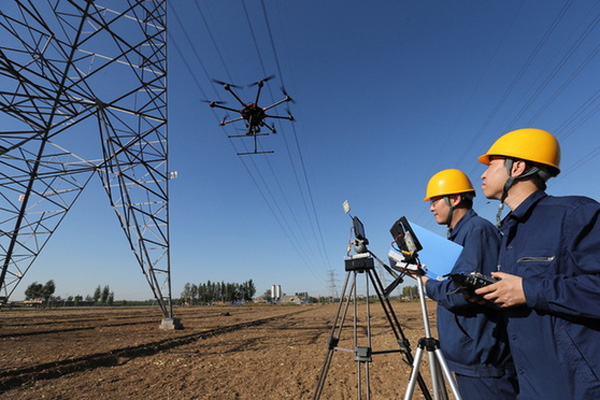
{"type": "Point", "coordinates": [507, 292]}
{"type": "Point", "coordinates": [415, 271]}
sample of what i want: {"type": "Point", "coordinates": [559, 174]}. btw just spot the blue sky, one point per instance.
{"type": "Point", "coordinates": [386, 94]}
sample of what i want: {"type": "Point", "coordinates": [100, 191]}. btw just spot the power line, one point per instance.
{"type": "Point", "coordinates": [320, 233]}
{"type": "Point", "coordinates": [303, 167]}
{"type": "Point", "coordinates": [256, 175]}
{"type": "Point", "coordinates": [516, 79]}
{"type": "Point", "coordinates": [555, 71]}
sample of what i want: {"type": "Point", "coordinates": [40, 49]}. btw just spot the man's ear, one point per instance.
{"type": "Point", "coordinates": [455, 199]}
{"type": "Point", "coordinates": [518, 168]}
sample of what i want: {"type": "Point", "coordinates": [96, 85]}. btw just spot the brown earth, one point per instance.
{"type": "Point", "coordinates": [223, 352]}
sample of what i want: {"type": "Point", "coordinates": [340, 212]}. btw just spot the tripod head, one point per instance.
{"type": "Point", "coordinates": [360, 241]}
{"type": "Point", "coordinates": [364, 258]}
{"type": "Point", "coordinates": [359, 244]}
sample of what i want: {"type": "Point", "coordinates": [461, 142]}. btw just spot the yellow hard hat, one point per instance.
{"type": "Point", "coordinates": [528, 144]}
{"type": "Point", "coordinates": [446, 182]}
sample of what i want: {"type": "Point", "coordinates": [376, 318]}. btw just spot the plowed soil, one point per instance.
{"type": "Point", "coordinates": [223, 352]}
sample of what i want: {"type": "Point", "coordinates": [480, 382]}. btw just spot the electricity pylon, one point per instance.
{"type": "Point", "coordinates": [83, 90]}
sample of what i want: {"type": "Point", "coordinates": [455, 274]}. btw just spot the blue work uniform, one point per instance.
{"type": "Point", "coordinates": [553, 243]}
{"type": "Point", "coordinates": [473, 336]}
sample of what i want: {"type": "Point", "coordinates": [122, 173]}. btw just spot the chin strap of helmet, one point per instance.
{"type": "Point", "coordinates": [533, 170]}
{"type": "Point", "coordinates": [463, 196]}
{"type": "Point", "coordinates": [449, 219]}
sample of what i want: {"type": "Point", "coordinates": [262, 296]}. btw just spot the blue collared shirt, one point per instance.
{"type": "Point", "coordinates": [472, 336]}
{"type": "Point", "coordinates": [553, 243]}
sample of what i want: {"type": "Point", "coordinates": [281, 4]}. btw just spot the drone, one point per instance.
{"type": "Point", "coordinates": [251, 113]}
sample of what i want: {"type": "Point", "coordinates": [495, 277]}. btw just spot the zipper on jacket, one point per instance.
{"type": "Point", "coordinates": [527, 259]}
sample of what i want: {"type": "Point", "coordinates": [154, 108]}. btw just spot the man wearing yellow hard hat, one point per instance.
{"type": "Point", "coordinates": [549, 260]}
{"type": "Point", "coordinates": [471, 335]}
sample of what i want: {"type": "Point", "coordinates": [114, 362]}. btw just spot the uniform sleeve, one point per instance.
{"type": "Point", "coordinates": [479, 254]}
{"type": "Point", "coordinates": [575, 290]}
{"type": "Point", "coordinates": [442, 293]}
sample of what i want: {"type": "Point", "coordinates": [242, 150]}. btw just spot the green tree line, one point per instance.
{"type": "Point", "coordinates": [210, 292]}
{"type": "Point", "coordinates": [37, 291]}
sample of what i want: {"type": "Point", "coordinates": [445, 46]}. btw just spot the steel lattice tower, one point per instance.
{"type": "Point", "coordinates": [83, 90]}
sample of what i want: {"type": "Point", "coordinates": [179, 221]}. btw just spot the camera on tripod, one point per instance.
{"type": "Point", "coordinates": [407, 241]}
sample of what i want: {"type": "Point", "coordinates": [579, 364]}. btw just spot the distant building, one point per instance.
{"type": "Point", "coordinates": [260, 299]}
{"type": "Point", "coordinates": [275, 292]}
{"type": "Point", "coordinates": [290, 299]}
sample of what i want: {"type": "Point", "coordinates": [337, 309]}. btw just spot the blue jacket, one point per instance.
{"type": "Point", "coordinates": [472, 336]}
{"type": "Point", "coordinates": [554, 244]}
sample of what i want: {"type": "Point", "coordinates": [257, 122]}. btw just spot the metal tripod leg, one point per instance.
{"type": "Point", "coordinates": [334, 337]}
{"type": "Point", "coordinates": [362, 354]}
{"type": "Point", "coordinates": [438, 367]}
{"type": "Point", "coordinates": [397, 329]}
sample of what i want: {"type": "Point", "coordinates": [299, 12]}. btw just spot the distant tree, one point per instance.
{"type": "Point", "coordinates": [193, 293]}
{"type": "Point", "coordinates": [229, 291]}
{"type": "Point", "coordinates": [97, 294]}
{"type": "Point", "coordinates": [221, 291]}
{"type": "Point", "coordinates": [34, 291]}
{"type": "Point", "coordinates": [111, 299]}
{"type": "Point", "coordinates": [303, 296]}
{"type": "Point", "coordinates": [210, 295]}
{"type": "Point", "coordinates": [247, 290]}
{"type": "Point", "coordinates": [209, 292]}
{"type": "Point", "coordinates": [78, 299]}
{"type": "Point", "coordinates": [48, 290]}
{"type": "Point", "coordinates": [105, 294]}
{"type": "Point", "coordinates": [268, 295]}
{"type": "Point", "coordinates": [410, 291]}
{"type": "Point", "coordinates": [186, 295]}
{"type": "Point", "coordinates": [203, 293]}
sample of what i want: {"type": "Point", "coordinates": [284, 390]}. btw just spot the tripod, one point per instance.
{"type": "Point", "coordinates": [363, 352]}
{"type": "Point", "coordinates": [437, 364]}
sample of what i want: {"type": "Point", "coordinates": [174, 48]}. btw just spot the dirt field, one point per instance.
{"type": "Point", "coordinates": [224, 352]}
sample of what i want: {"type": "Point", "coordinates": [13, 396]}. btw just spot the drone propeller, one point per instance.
{"type": "Point", "coordinates": [290, 116]}
{"type": "Point", "coordinates": [226, 84]}
{"type": "Point", "coordinates": [223, 122]}
{"type": "Point", "coordinates": [268, 78]}
{"type": "Point", "coordinates": [213, 101]}
{"type": "Point", "coordinates": [288, 98]}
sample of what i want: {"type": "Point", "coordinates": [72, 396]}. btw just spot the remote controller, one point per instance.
{"type": "Point", "coordinates": [471, 281]}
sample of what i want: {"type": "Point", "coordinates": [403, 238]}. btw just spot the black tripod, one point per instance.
{"type": "Point", "coordinates": [363, 352]}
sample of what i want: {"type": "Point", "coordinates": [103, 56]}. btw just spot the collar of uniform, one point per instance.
{"type": "Point", "coordinates": [468, 215]}
{"type": "Point", "coordinates": [522, 211]}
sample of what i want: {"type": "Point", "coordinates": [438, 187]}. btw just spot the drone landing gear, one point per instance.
{"type": "Point", "coordinates": [363, 352]}
{"type": "Point", "coordinates": [255, 145]}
